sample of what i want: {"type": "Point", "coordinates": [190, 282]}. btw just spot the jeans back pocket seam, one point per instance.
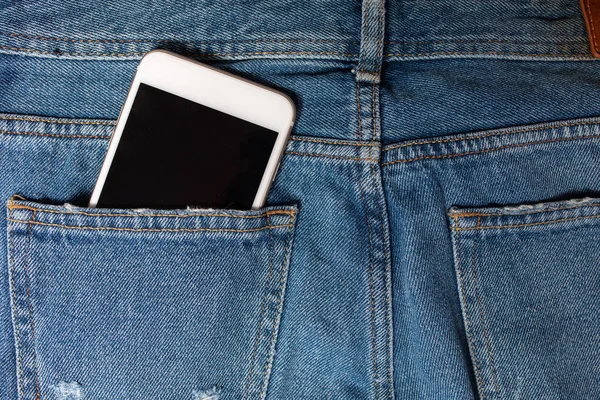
{"type": "Point", "coordinates": [262, 312]}
{"type": "Point", "coordinates": [12, 206]}
{"type": "Point", "coordinates": [277, 318]}
{"type": "Point", "coordinates": [466, 313]}
{"type": "Point", "coordinates": [112, 228]}
{"type": "Point", "coordinates": [262, 335]}
{"type": "Point", "coordinates": [525, 225]}
{"type": "Point", "coordinates": [482, 308]}
{"type": "Point", "coordinates": [24, 361]}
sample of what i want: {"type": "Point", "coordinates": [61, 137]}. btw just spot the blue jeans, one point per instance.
{"type": "Point", "coordinates": [433, 232]}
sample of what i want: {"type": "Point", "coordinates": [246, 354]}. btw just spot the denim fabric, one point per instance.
{"type": "Point", "coordinates": [432, 232]}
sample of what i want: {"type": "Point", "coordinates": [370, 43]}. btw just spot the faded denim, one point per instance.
{"type": "Point", "coordinates": [432, 233]}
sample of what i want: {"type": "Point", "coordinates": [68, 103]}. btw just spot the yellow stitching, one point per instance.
{"type": "Point", "coordinates": [54, 135]}
{"type": "Point", "coordinates": [330, 156]}
{"type": "Point", "coordinates": [380, 51]}
{"type": "Point", "coordinates": [55, 121]}
{"type": "Point", "coordinates": [481, 310]}
{"type": "Point", "coordinates": [532, 224]}
{"type": "Point", "coordinates": [262, 312]}
{"type": "Point", "coordinates": [387, 260]}
{"type": "Point", "coordinates": [449, 140]}
{"type": "Point", "coordinates": [264, 40]}
{"type": "Point", "coordinates": [491, 53]}
{"type": "Point", "coordinates": [277, 313]}
{"type": "Point", "coordinates": [107, 136]}
{"type": "Point", "coordinates": [267, 40]}
{"type": "Point", "coordinates": [371, 288]}
{"type": "Point", "coordinates": [374, 128]}
{"type": "Point", "coordinates": [480, 41]}
{"type": "Point", "coordinates": [373, 111]}
{"type": "Point", "coordinates": [14, 305]}
{"type": "Point", "coordinates": [11, 206]}
{"type": "Point", "coordinates": [138, 53]}
{"type": "Point", "coordinates": [361, 62]}
{"type": "Point", "coordinates": [358, 111]}
{"type": "Point", "coordinates": [474, 214]}
{"type": "Point", "coordinates": [266, 53]}
{"type": "Point", "coordinates": [467, 316]}
{"type": "Point", "coordinates": [375, 372]}
{"type": "Point", "coordinates": [380, 38]}
{"type": "Point", "coordinates": [490, 150]}
{"type": "Point", "coordinates": [31, 322]}
{"type": "Point", "coordinates": [34, 51]}
{"type": "Point", "coordinates": [112, 228]}
{"type": "Point", "coordinates": [327, 141]}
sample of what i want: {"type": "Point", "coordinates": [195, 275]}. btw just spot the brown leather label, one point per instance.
{"type": "Point", "coordinates": [591, 13]}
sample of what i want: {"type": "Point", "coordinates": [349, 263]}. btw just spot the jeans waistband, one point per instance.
{"type": "Point", "coordinates": [329, 29]}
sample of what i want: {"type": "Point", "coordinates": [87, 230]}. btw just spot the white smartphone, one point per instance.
{"type": "Point", "coordinates": [190, 135]}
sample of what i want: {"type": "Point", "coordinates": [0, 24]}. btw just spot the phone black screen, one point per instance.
{"type": "Point", "coordinates": [174, 153]}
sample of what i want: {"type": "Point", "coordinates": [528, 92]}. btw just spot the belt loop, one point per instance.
{"type": "Point", "coordinates": [371, 41]}
{"type": "Point", "coordinates": [368, 69]}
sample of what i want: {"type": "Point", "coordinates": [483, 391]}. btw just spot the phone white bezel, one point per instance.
{"type": "Point", "coordinates": [213, 88]}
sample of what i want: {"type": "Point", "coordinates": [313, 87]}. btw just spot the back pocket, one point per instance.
{"type": "Point", "coordinates": [126, 304]}
{"type": "Point", "coordinates": [529, 284]}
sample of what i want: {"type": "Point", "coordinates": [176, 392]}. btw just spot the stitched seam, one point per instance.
{"type": "Point", "coordinates": [466, 307]}
{"type": "Point", "coordinates": [491, 53]}
{"type": "Point", "coordinates": [277, 315]}
{"type": "Point", "coordinates": [358, 117]}
{"type": "Point", "coordinates": [481, 309]}
{"type": "Point", "coordinates": [107, 136]}
{"type": "Point", "coordinates": [362, 192]}
{"type": "Point", "coordinates": [63, 39]}
{"type": "Point", "coordinates": [530, 224]}
{"type": "Point", "coordinates": [592, 28]}
{"type": "Point", "coordinates": [12, 206]}
{"type": "Point", "coordinates": [373, 177]}
{"type": "Point", "coordinates": [481, 41]}
{"type": "Point", "coordinates": [464, 215]}
{"type": "Point", "coordinates": [381, 206]}
{"type": "Point", "coordinates": [138, 53]}
{"type": "Point", "coordinates": [373, 137]}
{"type": "Point", "coordinates": [46, 38]}
{"type": "Point", "coordinates": [491, 150]}
{"type": "Point", "coordinates": [371, 288]}
{"type": "Point", "coordinates": [380, 35]}
{"type": "Point", "coordinates": [330, 156]}
{"type": "Point", "coordinates": [111, 228]}
{"type": "Point", "coordinates": [327, 141]}
{"type": "Point", "coordinates": [363, 44]}
{"type": "Point", "coordinates": [542, 128]}
{"type": "Point", "coordinates": [55, 121]}
{"type": "Point", "coordinates": [262, 311]}
{"type": "Point", "coordinates": [55, 135]}
{"type": "Point", "coordinates": [374, 128]}
{"type": "Point", "coordinates": [374, 123]}
{"type": "Point", "coordinates": [30, 304]}
{"type": "Point", "coordinates": [387, 259]}
{"type": "Point", "coordinates": [14, 307]}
